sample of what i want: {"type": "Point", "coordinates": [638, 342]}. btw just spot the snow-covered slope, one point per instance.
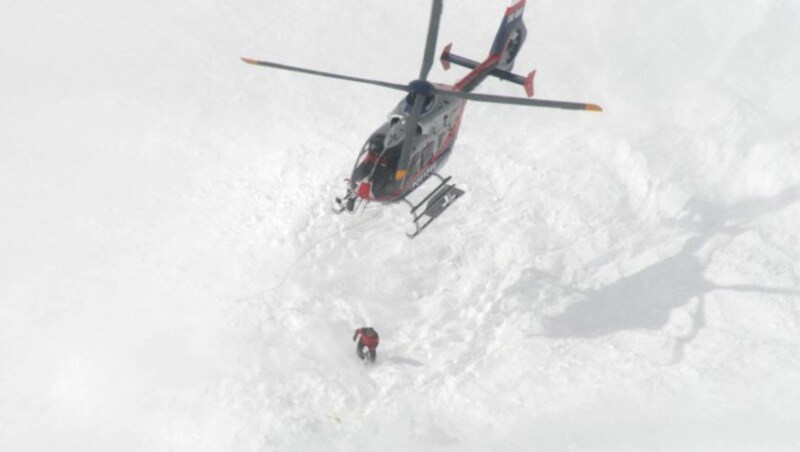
{"type": "Point", "coordinates": [172, 278]}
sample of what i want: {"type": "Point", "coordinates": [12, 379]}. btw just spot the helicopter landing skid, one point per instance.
{"type": "Point", "coordinates": [436, 202]}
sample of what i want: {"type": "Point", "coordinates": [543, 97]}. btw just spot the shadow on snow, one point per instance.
{"type": "Point", "coordinates": [644, 300]}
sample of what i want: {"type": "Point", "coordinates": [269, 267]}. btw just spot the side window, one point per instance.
{"type": "Point", "coordinates": [415, 163]}
{"type": "Point", "coordinates": [427, 151]}
{"type": "Point", "coordinates": [441, 139]}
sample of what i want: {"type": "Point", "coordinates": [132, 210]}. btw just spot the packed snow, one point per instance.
{"type": "Point", "coordinates": [172, 277]}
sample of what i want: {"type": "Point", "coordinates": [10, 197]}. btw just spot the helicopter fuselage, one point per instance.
{"type": "Point", "coordinates": [374, 176]}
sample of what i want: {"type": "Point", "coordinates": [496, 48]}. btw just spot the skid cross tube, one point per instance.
{"type": "Point", "coordinates": [435, 202]}
{"type": "Point", "coordinates": [429, 195]}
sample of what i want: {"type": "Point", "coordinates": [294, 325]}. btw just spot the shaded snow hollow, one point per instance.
{"type": "Point", "coordinates": [172, 278]}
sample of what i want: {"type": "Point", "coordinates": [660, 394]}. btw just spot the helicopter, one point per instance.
{"type": "Point", "coordinates": [418, 136]}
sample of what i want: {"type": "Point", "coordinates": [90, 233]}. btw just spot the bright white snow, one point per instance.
{"type": "Point", "coordinates": [172, 278]}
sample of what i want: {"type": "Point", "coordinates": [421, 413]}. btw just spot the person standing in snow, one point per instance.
{"type": "Point", "coordinates": [367, 338]}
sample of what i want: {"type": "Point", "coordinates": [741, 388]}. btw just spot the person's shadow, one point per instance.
{"type": "Point", "coordinates": [644, 300]}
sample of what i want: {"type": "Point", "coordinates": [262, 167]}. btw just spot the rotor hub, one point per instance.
{"type": "Point", "coordinates": [421, 87]}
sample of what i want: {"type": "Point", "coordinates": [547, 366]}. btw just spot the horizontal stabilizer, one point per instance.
{"type": "Point", "coordinates": [448, 57]}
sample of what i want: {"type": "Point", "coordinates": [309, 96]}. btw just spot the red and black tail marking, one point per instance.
{"type": "Point", "coordinates": [510, 36]}
{"type": "Point", "coordinates": [505, 48]}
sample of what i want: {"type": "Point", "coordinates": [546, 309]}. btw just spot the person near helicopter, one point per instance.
{"type": "Point", "coordinates": [367, 339]}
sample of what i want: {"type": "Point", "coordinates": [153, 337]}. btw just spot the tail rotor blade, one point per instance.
{"type": "Point", "coordinates": [430, 42]}
{"type": "Point", "coordinates": [285, 67]}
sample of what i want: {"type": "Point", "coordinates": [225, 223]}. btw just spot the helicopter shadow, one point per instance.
{"type": "Point", "coordinates": [645, 300]}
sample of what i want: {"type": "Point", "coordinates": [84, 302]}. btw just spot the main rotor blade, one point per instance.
{"type": "Point", "coordinates": [520, 101]}
{"type": "Point", "coordinates": [410, 133]}
{"type": "Point", "coordinates": [430, 42]}
{"type": "Point", "coordinates": [285, 67]}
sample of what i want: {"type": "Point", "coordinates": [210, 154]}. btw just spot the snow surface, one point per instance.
{"type": "Point", "coordinates": [172, 278]}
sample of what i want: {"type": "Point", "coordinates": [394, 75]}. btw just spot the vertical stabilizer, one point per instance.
{"type": "Point", "coordinates": [510, 36]}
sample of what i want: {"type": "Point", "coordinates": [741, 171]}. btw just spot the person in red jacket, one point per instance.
{"type": "Point", "coordinates": [367, 338]}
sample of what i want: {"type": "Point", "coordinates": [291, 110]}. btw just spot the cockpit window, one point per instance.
{"type": "Point", "coordinates": [375, 154]}
{"type": "Point", "coordinates": [375, 144]}
{"type": "Point", "coordinates": [380, 159]}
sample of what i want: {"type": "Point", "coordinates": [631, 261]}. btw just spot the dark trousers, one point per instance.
{"type": "Point", "coordinates": [369, 353]}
